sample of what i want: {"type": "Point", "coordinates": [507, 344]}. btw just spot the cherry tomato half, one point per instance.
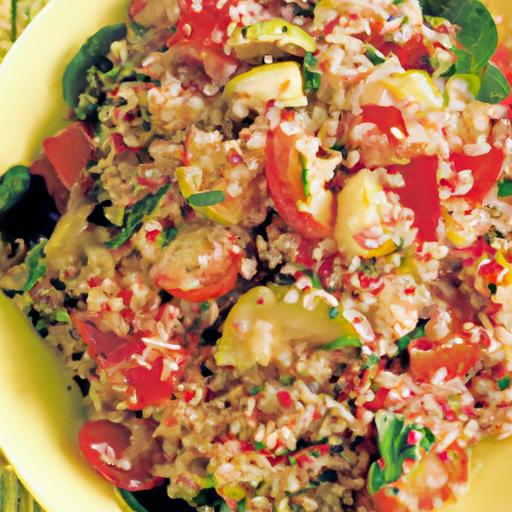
{"type": "Point", "coordinates": [103, 443]}
{"type": "Point", "coordinates": [389, 120]}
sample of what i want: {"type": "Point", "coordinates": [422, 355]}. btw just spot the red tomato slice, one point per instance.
{"type": "Point", "coordinates": [200, 36]}
{"type": "Point", "coordinates": [421, 195]}
{"type": "Point", "coordinates": [43, 167]}
{"type": "Point", "coordinates": [202, 263]}
{"type": "Point", "coordinates": [427, 357]}
{"type": "Point", "coordinates": [389, 120]}
{"type": "Point", "coordinates": [412, 55]}
{"type": "Point", "coordinates": [486, 171]}
{"type": "Point", "coordinates": [107, 348]}
{"type": "Point", "coordinates": [103, 444]}
{"type": "Point", "coordinates": [69, 152]}
{"type": "Point", "coordinates": [429, 481]}
{"type": "Point", "coordinates": [136, 6]}
{"type": "Point", "coordinates": [283, 171]}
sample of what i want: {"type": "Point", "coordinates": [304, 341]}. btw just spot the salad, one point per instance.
{"type": "Point", "coordinates": [273, 246]}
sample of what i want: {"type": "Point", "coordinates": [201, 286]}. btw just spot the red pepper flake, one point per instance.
{"type": "Point", "coordinates": [128, 315]}
{"type": "Point", "coordinates": [356, 320]}
{"type": "Point", "coordinates": [413, 437]}
{"type": "Point", "coordinates": [381, 463]}
{"type": "Point", "coordinates": [303, 460]}
{"type": "Point", "coordinates": [234, 157]}
{"type": "Point", "coordinates": [410, 291]}
{"type": "Point", "coordinates": [120, 146]}
{"type": "Point", "coordinates": [189, 395]}
{"type": "Point", "coordinates": [284, 399]}
{"type": "Point", "coordinates": [152, 235]}
{"type": "Point", "coordinates": [329, 28]}
{"type": "Point", "coordinates": [287, 115]}
{"type": "Point", "coordinates": [443, 456]}
{"type": "Point", "coordinates": [94, 281]}
{"type": "Point", "coordinates": [317, 415]}
{"type": "Point", "coordinates": [126, 295]}
{"type": "Point", "coordinates": [260, 301]}
{"type": "Point", "coordinates": [378, 289]}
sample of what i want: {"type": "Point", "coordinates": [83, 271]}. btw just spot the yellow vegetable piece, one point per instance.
{"type": "Point", "coordinates": [502, 260]}
{"type": "Point", "coordinates": [359, 206]}
{"type": "Point", "coordinates": [262, 326]}
{"type": "Point", "coordinates": [416, 86]}
{"type": "Point", "coordinates": [281, 82]}
{"type": "Point", "coordinates": [264, 37]}
{"type": "Point", "coordinates": [456, 233]}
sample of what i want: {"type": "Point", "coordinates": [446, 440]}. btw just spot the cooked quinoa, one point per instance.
{"type": "Point", "coordinates": [281, 269]}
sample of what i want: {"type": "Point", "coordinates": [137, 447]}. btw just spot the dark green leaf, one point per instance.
{"type": "Point", "coordinates": [209, 198]}
{"type": "Point", "coordinates": [13, 185]}
{"type": "Point", "coordinates": [394, 448]}
{"type": "Point", "coordinates": [131, 501]}
{"type": "Point", "coordinates": [259, 446]}
{"type": "Point", "coordinates": [495, 86]}
{"type": "Point", "coordinates": [305, 183]}
{"type": "Point", "coordinates": [312, 79]}
{"type": "Point", "coordinates": [287, 380]}
{"type": "Point", "coordinates": [35, 264]}
{"type": "Point", "coordinates": [344, 341]}
{"type": "Point", "coordinates": [241, 506]}
{"type": "Point", "coordinates": [165, 237]}
{"type": "Point", "coordinates": [418, 332]}
{"type": "Point", "coordinates": [342, 149]}
{"type": "Point", "coordinates": [329, 475]}
{"type": "Point", "coordinates": [98, 45]}
{"type": "Point", "coordinates": [505, 188]}
{"type": "Point", "coordinates": [504, 383]}
{"type": "Point", "coordinates": [334, 313]}
{"type": "Point", "coordinates": [134, 217]}
{"type": "Point", "coordinates": [371, 362]}
{"type": "Point", "coordinates": [299, 11]}
{"type": "Point", "coordinates": [256, 389]}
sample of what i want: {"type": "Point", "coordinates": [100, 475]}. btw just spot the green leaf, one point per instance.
{"type": "Point", "coordinates": [342, 342]}
{"type": "Point", "coordinates": [505, 188]}
{"type": "Point", "coordinates": [495, 86]}
{"type": "Point", "coordinates": [166, 236]}
{"type": "Point", "coordinates": [504, 383]}
{"type": "Point", "coordinates": [35, 264]}
{"type": "Point", "coordinates": [131, 501]}
{"type": "Point", "coordinates": [14, 20]}
{"type": "Point", "coordinates": [209, 198]}
{"type": "Point", "coordinates": [374, 55]}
{"type": "Point", "coordinates": [342, 149]}
{"type": "Point", "coordinates": [418, 332]}
{"type": "Point", "coordinates": [98, 45]}
{"type": "Point", "coordinates": [242, 505]}
{"type": "Point", "coordinates": [255, 390]}
{"type": "Point", "coordinates": [372, 360]}
{"type": "Point", "coordinates": [394, 448]}
{"type": "Point", "coordinates": [287, 380]}
{"type": "Point", "coordinates": [13, 185]}
{"type": "Point", "coordinates": [134, 217]}
{"type": "Point", "coordinates": [312, 79]}
{"type": "Point", "coordinates": [477, 31]}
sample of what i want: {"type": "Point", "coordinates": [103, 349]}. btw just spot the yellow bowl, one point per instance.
{"type": "Point", "coordinates": [40, 408]}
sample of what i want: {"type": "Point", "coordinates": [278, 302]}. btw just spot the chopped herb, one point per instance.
{"type": "Point", "coordinates": [418, 332]}
{"type": "Point", "coordinates": [492, 288]}
{"type": "Point", "coordinates": [342, 342]}
{"type": "Point", "coordinates": [204, 307]}
{"type": "Point", "coordinates": [13, 185]}
{"type": "Point", "coordinates": [373, 55]}
{"type": "Point", "coordinates": [312, 485]}
{"type": "Point", "coordinates": [334, 313]}
{"type": "Point", "coordinates": [342, 149]}
{"type": "Point", "coordinates": [256, 390]}
{"type": "Point", "coordinates": [315, 454]}
{"type": "Point", "coordinates": [505, 188]}
{"type": "Point", "coordinates": [209, 198]}
{"type": "Point", "coordinates": [394, 448]}
{"type": "Point", "coordinates": [259, 446]}
{"type": "Point", "coordinates": [208, 498]}
{"type": "Point", "coordinates": [134, 217]}
{"type": "Point", "coordinates": [205, 371]}
{"type": "Point", "coordinates": [62, 315]}
{"type": "Point", "coordinates": [292, 460]}
{"type": "Point", "coordinates": [285, 279]}
{"type": "Point", "coordinates": [435, 21]}
{"type": "Point", "coordinates": [504, 383]}
{"type": "Point", "coordinates": [305, 183]}
{"type": "Point", "coordinates": [166, 236]}
{"type": "Point", "coordinates": [300, 11]}
{"type": "Point", "coordinates": [14, 20]}
{"type": "Point", "coordinates": [287, 380]}
{"type": "Point", "coordinates": [241, 506]}
{"type": "Point", "coordinates": [312, 79]}
{"type": "Point", "coordinates": [35, 264]}
{"type": "Point", "coordinates": [398, 2]}
{"type": "Point", "coordinates": [372, 361]}
{"type": "Point", "coordinates": [315, 280]}
{"type": "Point", "coordinates": [329, 475]}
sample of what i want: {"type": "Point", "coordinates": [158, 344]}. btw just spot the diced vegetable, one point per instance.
{"type": "Point", "coordinates": [98, 45]}
{"type": "Point", "coordinates": [134, 217]}
{"type": "Point", "coordinates": [311, 214]}
{"type": "Point", "coordinates": [262, 326]}
{"type": "Point", "coordinates": [13, 185]}
{"type": "Point", "coordinates": [103, 443]}
{"type": "Point", "coordinates": [281, 82]}
{"type": "Point", "coordinates": [200, 264]}
{"type": "Point", "coordinates": [264, 37]}
{"type": "Point", "coordinates": [395, 448]}
{"type": "Point", "coordinates": [389, 120]}
{"type": "Point", "coordinates": [69, 152]}
{"type": "Point", "coordinates": [359, 205]}
{"type": "Point", "coordinates": [36, 265]}
{"type": "Point", "coordinates": [312, 79]}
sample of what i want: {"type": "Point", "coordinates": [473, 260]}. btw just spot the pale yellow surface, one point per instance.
{"type": "Point", "coordinates": [39, 417]}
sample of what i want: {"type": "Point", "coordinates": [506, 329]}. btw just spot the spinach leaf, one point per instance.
{"type": "Point", "coordinates": [495, 86]}
{"type": "Point", "coordinates": [35, 264]}
{"type": "Point", "coordinates": [477, 35]}
{"type": "Point", "coordinates": [134, 217]}
{"type": "Point", "coordinates": [312, 79]}
{"type": "Point", "coordinates": [98, 45]}
{"type": "Point", "coordinates": [394, 448]}
{"type": "Point", "coordinates": [166, 237]}
{"type": "Point", "coordinates": [13, 185]}
{"type": "Point", "coordinates": [505, 188]}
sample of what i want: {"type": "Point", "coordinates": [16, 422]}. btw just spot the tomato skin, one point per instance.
{"type": "Point", "coordinates": [427, 357]}
{"type": "Point", "coordinates": [69, 152]}
{"type": "Point", "coordinates": [283, 172]}
{"type": "Point", "coordinates": [421, 195]}
{"type": "Point", "coordinates": [209, 291]}
{"type": "Point", "coordinates": [117, 437]}
{"type": "Point", "coordinates": [486, 171]}
{"type": "Point", "coordinates": [412, 55]}
{"type": "Point", "coordinates": [386, 118]}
